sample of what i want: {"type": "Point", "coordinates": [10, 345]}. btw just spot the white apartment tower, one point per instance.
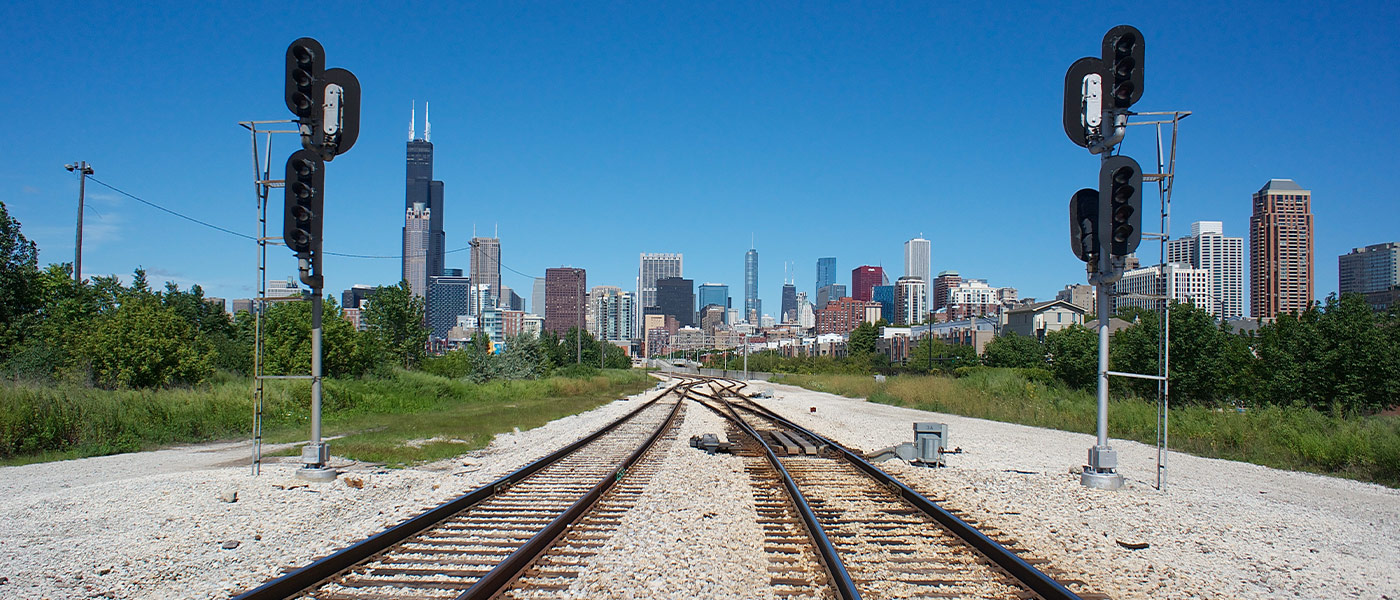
{"type": "Point", "coordinates": [910, 293]}
{"type": "Point", "coordinates": [610, 313]}
{"type": "Point", "coordinates": [1184, 284]}
{"type": "Point", "coordinates": [918, 262]}
{"type": "Point", "coordinates": [1208, 248]}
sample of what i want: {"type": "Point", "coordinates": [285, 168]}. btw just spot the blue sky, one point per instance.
{"type": "Point", "coordinates": [591, 133]}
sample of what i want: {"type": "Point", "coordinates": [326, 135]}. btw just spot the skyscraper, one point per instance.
{"type": "Point", "coordinates": [753, 307]}
{"type": "Point", "coordinates": [417, 236]}
{"type": "Point", "coordinates": [713, 294]}
{"type": "Point", "coordinates": [1280, 249]}
{"type": "Point", "coordinates": [918, 262]}
{"type": "Point", "coordinates": [909, 295]}
{"type": "Point", "coordinates": [610, 313]}
{"type": "Point", "coordinates": [654, 266]}
{"type": "Point", "coordinates": [826, 273]}
{"type": "Point", "coordinates": [565, 289]}
{"type": "Point", "coordinates": [422, 189]}
{"type": "Point", "coordinates": [788, 308]}
{"type": "Point", "coordinates": [486, 264]}
{"type": "Point", "coordinates": [945, 281]}
{"type": "Point", "coordinates": [449, 298]}
{"type": "Point", "coordinates": [885, 296]}
{"type": "Point", "coordinates": [828, 294]}
{"type": "Point", "coordinates": [675, 296]}
{"type": "Point", "coordinates": [1209, 249]}
{"type": "Point", "coordinates": [1374, 268]}
{"type": "Point", "coordinates": [863, 279]}
{"type": "Point", "coordinates": [537, 297]}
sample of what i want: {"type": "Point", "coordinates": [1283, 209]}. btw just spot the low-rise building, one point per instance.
{"type": "Point", "coordinates": [1037, 319]}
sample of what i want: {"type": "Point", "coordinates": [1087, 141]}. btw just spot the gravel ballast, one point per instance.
{"type": "Point", "coordinates": [191, 522]}
{"type": "Point", "coordinates": [1219, 529]}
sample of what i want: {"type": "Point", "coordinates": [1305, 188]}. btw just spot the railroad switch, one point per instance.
{"type": "Point", "coordinates": [710, 443]}
{"type": "Point", "coordinates": [928, 448]}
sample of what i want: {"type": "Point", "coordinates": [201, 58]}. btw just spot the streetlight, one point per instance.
{"type": "Point", "coordinates": [84, 170]}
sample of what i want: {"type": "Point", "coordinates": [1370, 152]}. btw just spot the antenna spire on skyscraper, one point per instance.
{"type": "Point", "coordinates": [427, 125]}
{"type": "Point", "coordinates": [412, 118]}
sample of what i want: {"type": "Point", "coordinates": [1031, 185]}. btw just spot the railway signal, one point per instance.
{"type": "Point", "coordinates": [1084, 225]}
{"type": "Point", "coordinates": [1123, 54]}
{"type": "Point", "coordinates": [303, 211]}
{"type": "Point", "coordinates": [1105, 224]}
{"type": "Point", "coordinates": [1120, 205]}
{"type": "Point", "coordinates": [305, 94]}
{"type": "Point", "coordinates": [326, 103]}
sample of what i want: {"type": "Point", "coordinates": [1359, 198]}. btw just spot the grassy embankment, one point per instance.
{"type": "Point", "coordinates": [382, 420]}
{"type": "Point", "coordinates": [1301, 439]}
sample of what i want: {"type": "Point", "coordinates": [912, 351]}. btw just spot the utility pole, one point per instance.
{"type": "Point", "coordinates": [83, 169]}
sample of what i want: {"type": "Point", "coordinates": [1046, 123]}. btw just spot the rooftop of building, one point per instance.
{"type": "Point", "coordinates": [1039, 306]}
{"type": "Point", "coordinates": [1281, 185]}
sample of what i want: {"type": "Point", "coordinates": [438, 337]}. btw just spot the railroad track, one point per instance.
{"type": "Point", "coordinates": [834, 526]}
{"type": "Point", "coordinates": [878, 537]}
{"type": "Point", "coordinates": [474, 545]}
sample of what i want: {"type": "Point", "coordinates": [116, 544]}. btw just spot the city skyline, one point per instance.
{"type": "Point", "coordinates": [796, 145]}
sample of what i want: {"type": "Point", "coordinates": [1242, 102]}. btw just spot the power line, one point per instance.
{"type": "Point", "coordinates": [159, 207]}
{"type": "Point", "coordinates": [252, 238]}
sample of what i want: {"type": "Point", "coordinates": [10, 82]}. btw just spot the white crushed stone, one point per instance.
{"type": "Point", "coordinates": [693, 533]}
{"type": "Point", "coordinates": [152, 524]}
{"type": "Point", "coordinates": [1220, 529]}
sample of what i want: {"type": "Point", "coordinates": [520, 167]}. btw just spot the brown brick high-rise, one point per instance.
{"type": "Point", "coordinates": [565, 290]}
{"type": "Point", "coordinates": [1280, 249]}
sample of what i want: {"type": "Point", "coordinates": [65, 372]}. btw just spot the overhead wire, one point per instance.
{"type": "Point", "coordinates": [253, 238]}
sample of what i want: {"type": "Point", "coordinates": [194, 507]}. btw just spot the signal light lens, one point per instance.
{"type": "Point", "coordinates": [1125, 43]}
{"type": "Point", "coordinates": [1122, 233]}
{"type": "Point", "coordinates": [304, 167]}
{"type": "Point", "coordinates": [302, 54]}
{"type": "Point", "coordinates": [1122, 176]}
{"type": "Point", "coordinates": [302, 190]}
{"type": "Point", "coordinates": [302, 101]}
{"type": "Point", "coordinates": [1123, 91]}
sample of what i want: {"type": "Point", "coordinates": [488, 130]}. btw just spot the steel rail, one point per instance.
{"type": "Point", "coordinates": [509, 569]}
{"type": "Point", "coordinates": [324, 568]}
{"type": "Point", "coordinates": [841, 579]}
{"type": "Point", "coordinates": [1017, 567]}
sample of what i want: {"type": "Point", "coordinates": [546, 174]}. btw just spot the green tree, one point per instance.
{"type": "Point", "coordinates": [287, 331]}
{"type": "Point", "coordinates": [1073, 355]}
{"type": "Point", "coordinates": [862, 340]}
{"type": "Point", "coordinates": [1209, 365]}
{"type": "Point", "coordinates": [20, 295]}
{"type": "Point", "coordinates": [523, 358]}
{"type": "Point", "coordinates": [395, 321]}
{"type": "Point", "coordinates": [1014, 350]}
{"type": "Point", "coordinates": [143, 344]}
{"type": "Point", "coordinates": [933, 355]}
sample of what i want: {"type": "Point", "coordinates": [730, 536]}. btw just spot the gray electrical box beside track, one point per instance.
{"type": "Point", "coordinates": [928, 448]}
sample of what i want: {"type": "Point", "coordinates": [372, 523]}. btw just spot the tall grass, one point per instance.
{"type": "Point", "coordinates": [1285, 437]}
{"type": "Point", "coordinates": [55, 422]}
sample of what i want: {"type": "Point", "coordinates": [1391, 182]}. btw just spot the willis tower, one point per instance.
{"type": "Point", "coordinates": [424, 195]}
